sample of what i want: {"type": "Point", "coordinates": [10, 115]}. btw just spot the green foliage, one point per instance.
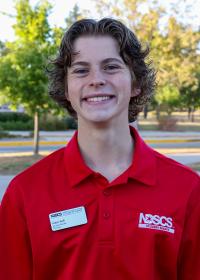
{"type": "Point", "coordinates": [22, 74]}
{"type": "Point", "coordinates": [53, 123]}
{"type": "Point", "coordinates": [174, 47]}
{"type": "Point", "coordinates": [168, 96]}
{"type": "Point", "coordinates": [70, 123]}
{"type": "Point", "coordinates": [191, 99]}
{"type": "Point", "coordinates": [14, 116]}
{"type": "Point", "coordinates": [74, 15]}
{"type": "Point", "coordinates": [167, 123]}
{"type": "Point", "coordinates": [3, 134]}
{"type": "Point", "coordinates": [176, 56]}
{"type": "Point", "coordinates": [32, 23]}
{"type": "Point", "coordinates": [22, 77]}
{"type": "Point", "coordinates": [15, 121]}
{"type": "Point", "coordinates": [21, 121]}
{"type": "Point", "coordinates": [57, 32]}
{"type": "Point", "coordinates": [17, 125]}
{"type": "Point", "coordinates": [3, 49]}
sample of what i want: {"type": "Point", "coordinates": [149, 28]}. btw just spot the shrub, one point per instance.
{"type": "Point", "coordinates": [17, 125]}
{"type": "Point", "coordinates": [71, 123]}
{"type": "Point", "coordinates": [14, 116]}
{"type": "Point", "coordinates": [55, 123]}
{"type": "Point", "coordinates": [167, 123]}
{"type": "Point", "coordinates": [20, 121]}
{"type": "Point", "coordinates": [52, 124]}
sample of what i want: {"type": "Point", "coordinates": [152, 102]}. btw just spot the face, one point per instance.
{"type": "Point", "coordinates": [99, 82]}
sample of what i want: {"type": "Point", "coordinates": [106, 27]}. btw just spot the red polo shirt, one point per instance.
{"type": "Point", "coordinates": [144, 225]}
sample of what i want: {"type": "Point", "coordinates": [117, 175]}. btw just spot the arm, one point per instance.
{"type": "Point", "coordinates": [189, 255]}
{"type": "Point", "coordinates": [15, 248]}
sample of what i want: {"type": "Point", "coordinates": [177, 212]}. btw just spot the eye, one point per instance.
{"type": "Point", "coordinates": [111, 67]}
{"type": "Point", "coordinates": [81, 71]}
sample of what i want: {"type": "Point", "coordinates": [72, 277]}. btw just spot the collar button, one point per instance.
{"type": "Point", "coordinates": [106, 215]}
{"type": "Point", "coordinates": [107, 192]}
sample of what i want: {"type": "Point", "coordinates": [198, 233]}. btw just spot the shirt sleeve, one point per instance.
{"type": "Point", "coordinates": [189, 254]}
{"type": "Point", "coordinates": [15, 249]}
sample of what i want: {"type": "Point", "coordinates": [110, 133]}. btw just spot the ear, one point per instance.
{"type": "Point", "coordinates": [66, 88]}
{"type": "Point", "coordinates": [67, 94]}
{"type": "Point", "coordinates": [135, 92]}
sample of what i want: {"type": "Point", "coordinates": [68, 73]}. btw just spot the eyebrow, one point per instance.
{"type": "Point", "coordinates": [107, 60]}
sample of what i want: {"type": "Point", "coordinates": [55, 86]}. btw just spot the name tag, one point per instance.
{"type": "Point", "coordinates": [68, 218]}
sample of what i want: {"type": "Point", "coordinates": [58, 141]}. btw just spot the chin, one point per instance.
{"type": "Point", "coordinates": [98, 117]}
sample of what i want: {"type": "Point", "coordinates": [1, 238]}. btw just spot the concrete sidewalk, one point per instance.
{"type": "Point", "coordinates": [182, 158]}
{"type": "Point", "coordinates": [4, 181]}
{"type": "Point", "coordinates": [62, 136]}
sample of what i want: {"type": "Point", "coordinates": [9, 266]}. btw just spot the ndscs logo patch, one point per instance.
{"type": "Point", "coordinates": [156, 222]}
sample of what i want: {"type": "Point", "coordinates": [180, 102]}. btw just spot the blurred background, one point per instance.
{"type": "Point", "coordinates": [31, 125]}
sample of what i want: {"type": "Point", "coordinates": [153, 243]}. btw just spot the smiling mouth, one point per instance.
{"type": "Point", "coordinates": [98, 98]}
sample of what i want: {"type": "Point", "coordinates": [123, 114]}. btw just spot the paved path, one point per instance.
{"type": "Point", "coordinates": [4, 181]}
{"type": "Point", "coordinates": [180, 142]}
{"type": "Point", "coordinates": [184, 157]}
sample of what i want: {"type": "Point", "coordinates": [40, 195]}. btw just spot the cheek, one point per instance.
{"type": "Point", "coordinates": [70, 90]}
{"type": "Point", "coordinates": [66, 94]}
{"type": "Point", "coordinates": [125, 85]}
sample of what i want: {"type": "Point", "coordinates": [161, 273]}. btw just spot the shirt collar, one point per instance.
{"type": "Point", "coordinates": [142, 169]}
{"type": "Point", "coordinates": [76, 168]}
{"type": "Point", "coordinates": [143, 166]}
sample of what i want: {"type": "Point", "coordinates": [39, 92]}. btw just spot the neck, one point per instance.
{"type": "Point", "coordinates": [105, 149]}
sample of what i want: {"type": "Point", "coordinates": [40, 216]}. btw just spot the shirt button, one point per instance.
{"type": "Point", "coordinates": [106, 215]}
{"type": "Point", "coordinates": [107, 192]}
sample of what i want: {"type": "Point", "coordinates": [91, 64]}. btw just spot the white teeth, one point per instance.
{"type": "Point", "coordinates": [98, 98]}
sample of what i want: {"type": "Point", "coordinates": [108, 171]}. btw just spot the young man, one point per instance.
{"type": "Point", "coordinates": [106, 206]}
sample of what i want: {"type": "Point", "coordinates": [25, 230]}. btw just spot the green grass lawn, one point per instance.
{"type": "Point", "coordinates": [195, 166]}
{"type": "Point", "coordinates": [181, 123]}
{"type": "Point", "coordinates": [14, 165]}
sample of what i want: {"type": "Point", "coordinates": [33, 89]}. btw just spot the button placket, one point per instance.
{"type": "Point", "coordinates": [106, 208]}
{"type": "Point", "coordinates": [107, 192]}
{"type": "Point", "coordinates": [106, 215]}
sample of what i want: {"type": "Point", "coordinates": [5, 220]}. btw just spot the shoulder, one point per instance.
{"type": "Point", "coordinates": [38, 172]}
{"type": "Point", "coordinates": [47, 162]}
{"type": "Point", "coordinates": [167, 162]}
{"type": "Point", "coordinates": [176, 173]}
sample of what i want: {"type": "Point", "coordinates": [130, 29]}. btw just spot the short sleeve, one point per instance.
{"type": "Point", "coordinates": [189, 254]}
{"type": "Point", "coordinates": [15, 249]}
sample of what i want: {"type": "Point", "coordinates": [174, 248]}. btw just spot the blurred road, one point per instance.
{"type": "Point", "coordinates": [4, 181]}
{"type": "Point", "coordinates": [181, 146]}
{"type": "Point", "coordinates": [50, 141]}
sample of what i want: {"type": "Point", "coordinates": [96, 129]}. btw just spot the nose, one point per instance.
{"type": "Point", "coordinates": [97, 79]}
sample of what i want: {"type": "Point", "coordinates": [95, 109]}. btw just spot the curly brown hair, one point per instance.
{"type": "Point", "coordinates": [142, 72]}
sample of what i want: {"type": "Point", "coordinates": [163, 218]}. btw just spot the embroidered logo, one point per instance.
{"type": "Point", "coordinates": [156, 222]}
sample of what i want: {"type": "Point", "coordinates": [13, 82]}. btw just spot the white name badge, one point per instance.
{"type": "Point", "coordinates": [68, 218]}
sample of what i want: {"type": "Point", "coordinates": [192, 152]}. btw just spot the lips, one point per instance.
{"type": "Point", "coordinates": [98, 98]}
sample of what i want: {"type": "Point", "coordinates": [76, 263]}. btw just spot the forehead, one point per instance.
{"type": "Point", "coordinates": [99, 47]}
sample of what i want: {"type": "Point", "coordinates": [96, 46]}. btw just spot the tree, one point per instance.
{"type": "Point", "coordinates": [174, 46]}
{"type": "Point", "coordinates": [169, 97]}
{"type": "Point", "coordinates": [190, 99]}
{"type": "Point", "coordinates": [22, 75]}
{"type": "Point", "coordinates": [74, 15]}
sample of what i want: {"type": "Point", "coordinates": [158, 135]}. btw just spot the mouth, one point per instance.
{"type": "Point", "coordinates": [98, 98]}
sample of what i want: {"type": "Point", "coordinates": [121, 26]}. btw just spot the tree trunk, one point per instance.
{"type": "Point", "coordinates": [158, 112]}
{"type": "Point", "coordinates": [36, 134]}
{"type": "Point", "coordinates": [189, 113]}
{"type": "Point", "coordinates": [192, 117]}
{"type": "Point", "coordinates": [192, 113]}
{"type": "Point", "coordinates": [145, 111]}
